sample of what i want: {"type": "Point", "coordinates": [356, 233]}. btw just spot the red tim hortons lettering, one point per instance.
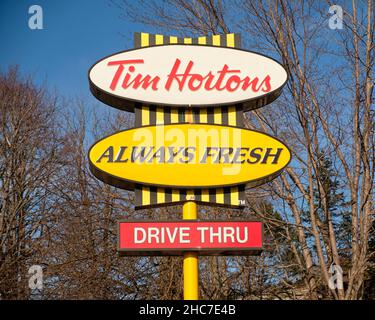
{"type": "Point", "coordinates": [224, 79]}
{"type": "Point", "coordinates": [139, 79]}
{"type": "Point", "coordinates": [227, 79]}
{"type": "Point", "coordinates": [195, 80]}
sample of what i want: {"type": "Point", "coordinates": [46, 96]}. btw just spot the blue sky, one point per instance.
{"type": "Point", "coordinates": [76, 34]}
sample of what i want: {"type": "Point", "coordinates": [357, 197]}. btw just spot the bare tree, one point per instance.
{"type": "Point", "coordinates": [29, 162]}
{"type": "Point", "coordinates": [325, 115]}
{"type": "Point", "coordinates": [318, 214]}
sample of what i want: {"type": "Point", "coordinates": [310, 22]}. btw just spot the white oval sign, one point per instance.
{"type": "Point", "coordinates": [187, 75]}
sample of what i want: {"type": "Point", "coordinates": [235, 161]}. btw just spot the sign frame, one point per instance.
{"type": "Point", "coordinates": [179, 252]}
{"type": "Point", "coordinates": [129, 104]}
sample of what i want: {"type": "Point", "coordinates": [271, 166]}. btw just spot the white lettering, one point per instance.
{"type": "Point", "coordinates": [184, 233]}
{"type": "Point", "coordinates": [215, 234]}
{"type": "Point", "coordinates": [172, 236]}
{"type": "Point", "coordinates": [153, 233]}
{"type": "Point", "coordinates": [228, 232]}
{"type": "Point", "coordinates": [202, 230]}
{"type": "Point", "coordinates": [136, 238]}
{"type": "Point", "coordinates": [245, 235]}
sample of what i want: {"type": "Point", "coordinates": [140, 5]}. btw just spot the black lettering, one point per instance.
{"type": "Point", "coordinates": [141, 154]}
{"type": "Point", "coordinates": [238, 154]}
{"type": "Point", "coordinates": [159, 154]}
{"type": "Point", "coordinates": [224, 153]}
{"type": "Point", "coordinates": [275, 156]}
{"type": "Point", "coordinates": [106, 154]}
{"type": "Point", "coordinates": [254, 154]}
{"type": "Point", "coordinates": [207, 154]}
{"type": "Point", "coordinates": [120, 155]}
{"type": "Point", "coordinates": [173, 154]}
{"type": "Point", "coordinates": [189, 155]}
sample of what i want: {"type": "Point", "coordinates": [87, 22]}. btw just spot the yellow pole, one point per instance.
{"type": "Point", "coordinates": [189, 212]}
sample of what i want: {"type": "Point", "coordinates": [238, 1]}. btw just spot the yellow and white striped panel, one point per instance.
{"type": "Point", "coordinates": [147, 196]}
{"type": "Point", "coordinates": [142, 39]}
{"type": "Point", "coordinates": [153, 115]}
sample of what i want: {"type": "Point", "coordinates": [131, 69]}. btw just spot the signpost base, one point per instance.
{"type": "Point", "coordinates": [189, 212]}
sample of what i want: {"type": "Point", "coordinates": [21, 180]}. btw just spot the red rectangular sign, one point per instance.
{"type": "Point", "coordinates": [176, 237]}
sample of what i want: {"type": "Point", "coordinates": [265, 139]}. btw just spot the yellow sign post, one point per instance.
{"type": "Point", "coordinates": [191, 292]}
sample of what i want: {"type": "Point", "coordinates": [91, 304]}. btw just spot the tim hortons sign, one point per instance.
{"type": "Point", "coordinates": [137, 238]}
{"type": "Point", "coordinates": [188, 156]}
{"type": "Point", "coordinates": [189, 140]}
{"type": "Point", "coordinates": [187, 76]}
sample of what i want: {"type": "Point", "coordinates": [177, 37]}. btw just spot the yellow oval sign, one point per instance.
{"type": "Point", "coordinates": [188, 156]}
